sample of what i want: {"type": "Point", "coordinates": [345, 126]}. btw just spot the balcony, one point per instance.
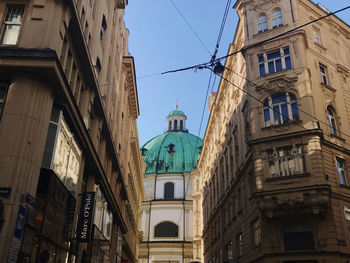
{"type": "Point", "coordinates": [302, 200]}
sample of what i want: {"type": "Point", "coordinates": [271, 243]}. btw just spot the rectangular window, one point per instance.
{"type": "Point", "coordinates": [12, 24]}
{"type": "Point", "coordinates": [239, 245]}
{"type": "Point", "coordinates": [323, 72]}
{"type": "Point", "coordinates": [341, 171]}
{"type": "Point", "coordinates": [317, 36]}
{"type": "Point", "coordinates": [256, 232]}
{"type": "Point", "coordinates": [286, 161]}
{"type": "Point", "coordinates": [3, 94]}
{"type": "Point", "coordinates": [275, 61]}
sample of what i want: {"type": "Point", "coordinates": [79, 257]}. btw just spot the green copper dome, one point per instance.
{"type": "Point", "coordinates": [176, 113]}
{"type": "Point", "coordinates": [172, 152]}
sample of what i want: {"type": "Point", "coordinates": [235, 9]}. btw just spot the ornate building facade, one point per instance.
{"type": "Point", "coordinates": [70, 166]}
{"type": "Point", "coordinates": [274, 166]}
{"type": "Point", "coordinates": [167, 211]}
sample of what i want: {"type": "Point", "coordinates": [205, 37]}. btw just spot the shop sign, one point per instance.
{"type": "Point", "coordinates": [86, 217]}
{"type": "Point", "coordinates": [5, 191]}
{"type": "Point", "coordinates": [17, 236]}
{"type": "Point", "coordinates": [30, 199]}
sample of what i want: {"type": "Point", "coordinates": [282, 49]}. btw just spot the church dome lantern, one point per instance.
{"type": "Point", "coordinates": [176, 121]}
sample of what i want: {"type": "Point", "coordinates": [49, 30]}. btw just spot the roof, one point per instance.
{"type": "Point", "coordinates": [176, 113]}
{"type": "Point", "coordinates": [172, 152]}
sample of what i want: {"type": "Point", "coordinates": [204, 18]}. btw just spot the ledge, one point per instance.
{"type": "Point", "coordinates": [279, 178]}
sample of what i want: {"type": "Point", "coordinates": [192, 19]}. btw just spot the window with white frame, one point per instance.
{"type": "Point", "coordinates": [341, 171]}
{"type": "Point", "coordinates": [3, 94]}
{"type": "Point", "coordinates": [274, 61]}
{"type": "Point", "coordinates": [280, 108]}
{"type": "Point", "coordinates": [317, 36]}
{"type": "Point", "coordinates": [262, 23]}
{"type": "Point", "coordinates": [276, 18]}
{"type": "Point", "coordinates": [11, 24]}
{"type": "Point", "coordinates": [332, 121]}
{"type": "Point", "coordinates": [286, 161]}
{"type": "Point", "coordinates": [323, 72]}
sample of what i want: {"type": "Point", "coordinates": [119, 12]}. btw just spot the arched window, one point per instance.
{"type": "Point", "coordinates": [175, 124]}
{"type": "Point", "coordinates": [298, 237]}
{"type": "Point", "coordinates": [276, 18]}
{"type": "Point", "coordinates": [181, 125]}
{"type": "Point", "coordinates": [262, 23]}
{"type": "Point", "coordinates": [166, 229]}
{"type": "Point", "coordinates": [169, 128]}
{"type": "Point", "coordinates": [280, 108]}
{"type": "Point", "coordinates": [169, 191]}
{"type": "Point", "coordinates": [332, 120]}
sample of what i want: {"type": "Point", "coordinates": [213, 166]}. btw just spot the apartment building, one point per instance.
{"type": "Point", "coordinates": [70, 166]}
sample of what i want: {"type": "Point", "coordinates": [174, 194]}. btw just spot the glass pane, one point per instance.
{"type": "Point", "coordinates": [271, 66]}
{"type": "Point", "coordinates": [286, 51]}
{"type": "Point", "coordinates": [295, 112]}
{"type": "Point", "coordinates": [283, 167]}
{"type": "Point", "coordinates": [2, 92]}
{"type": "Point", "coordinates": [301, 165]}
{"type": "Point", "coordinates": [291, 166]}
{"type": "Point", "coordinates": [285, 115]}
{"type": "Point", "coordinates": [261, 58]}
{"type": "Point", "coordinates": [267, 114]}
{"type": "Point", "coordinates": [273, 55]}
{"type": "Point", "coordinates": [14, 13]}
{"type": "Point", "coordinates": [279, 98]}
{"type": "Point", "coordinates": [50, 143]}
{"type": "Point", "coordinates": [262, 70]}
{"type": "Point", "coordinates": [288, 62]}
{"type": "Point", "coordinates": [322, 70]}
{"type": "Point", "coordinates": [10, 35]}
{"type": "Point", "coordinates": [277, 114]}
{"type": "Point", "coordinates": [278, 65]}
{"type": "Point", "coordinates": [272, 170]}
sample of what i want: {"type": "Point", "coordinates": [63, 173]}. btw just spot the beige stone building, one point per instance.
{"type": "Point", "coordinates": [70, 166]}
{"type": "Point", "coordinates": [275, 161]}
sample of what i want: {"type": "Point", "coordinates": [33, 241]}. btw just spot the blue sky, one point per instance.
{"type": "Point", "coordinates": [160, 40]}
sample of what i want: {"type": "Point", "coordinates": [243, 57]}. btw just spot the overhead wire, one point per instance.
{"type": "Point", "coordinates": [210, 87]}
{"type": "Point", "coordinates": [197, 141]}
{"type": "Point", "coordinates": [190, 26]}
{"type": "Point", "coordinates": [206, 64]}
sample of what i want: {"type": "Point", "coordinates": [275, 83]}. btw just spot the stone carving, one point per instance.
{"type": "Point", "coordinates": [304, 201]}
{"type": "Point", "coordinates": [276, 85]}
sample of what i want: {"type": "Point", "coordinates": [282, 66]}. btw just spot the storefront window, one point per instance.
{"type": "Point", "coordinates": [62, 152]}
{"type": "Point", "coordinates": [103, 215]}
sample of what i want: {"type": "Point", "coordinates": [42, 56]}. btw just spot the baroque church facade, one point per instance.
{"type": "Point", "coordinates": [167, 211]}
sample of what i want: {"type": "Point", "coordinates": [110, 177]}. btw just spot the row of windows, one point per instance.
{"type": "Point", "coordinates": [276, 21]}
{"type": "Point", "coordinates": [296, 237]}
{"type": "Point", "coordinates": [175, 125]}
